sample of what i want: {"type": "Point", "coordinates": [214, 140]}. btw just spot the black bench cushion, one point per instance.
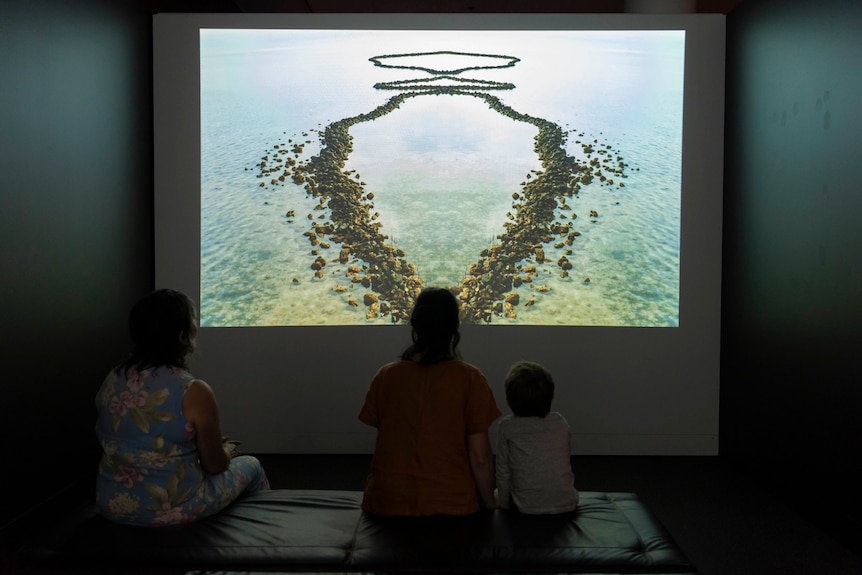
{"type": "Point", "coordinates": [294, 530]}
{"type": "Point", "coordinates": [608, 533]}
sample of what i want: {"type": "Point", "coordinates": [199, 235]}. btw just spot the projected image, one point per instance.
{"type": "Point", "coordinates": [535, 174]}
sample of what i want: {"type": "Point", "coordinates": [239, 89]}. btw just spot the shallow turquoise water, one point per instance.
{"type": "Point", "coordinates": [442, 170]}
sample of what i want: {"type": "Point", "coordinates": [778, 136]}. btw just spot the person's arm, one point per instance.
{"type": "Point", "coordinates": [368, 414]}
{"type": "Point", "coordinates": [503, 471]}
{"type": "Point", "coordinates": [201, 411]}
{"type": "Point", "coordinates": [479, 450]}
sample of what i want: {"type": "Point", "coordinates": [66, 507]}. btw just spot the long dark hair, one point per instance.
{"type": "Point", "coordinates": [163, 328]}
{"type": "Point", "coordinates": [435, 327]}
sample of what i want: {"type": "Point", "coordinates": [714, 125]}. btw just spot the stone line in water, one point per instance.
{"type": "Point", "coordinates": [393, 281]}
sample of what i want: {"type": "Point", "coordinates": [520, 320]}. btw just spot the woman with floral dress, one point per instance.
{"type": "Point", "coordinates": [164, 460]}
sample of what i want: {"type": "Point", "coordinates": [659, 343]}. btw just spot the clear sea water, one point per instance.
{"type": "Point", "coordinates": [442, 168]}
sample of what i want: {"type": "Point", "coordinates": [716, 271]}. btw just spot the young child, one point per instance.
{"type": "Point", "coordinates": [534, 469]}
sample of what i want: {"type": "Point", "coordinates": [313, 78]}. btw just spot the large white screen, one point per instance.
{"type": "Point", "coordinates": [561, 173]}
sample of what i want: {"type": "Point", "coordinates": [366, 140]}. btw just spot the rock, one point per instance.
{"type": "Point", "coordinates": [318, 263]}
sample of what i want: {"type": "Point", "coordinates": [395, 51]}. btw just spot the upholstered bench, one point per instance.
{"type": "Point", "coordinates": [326, 531]}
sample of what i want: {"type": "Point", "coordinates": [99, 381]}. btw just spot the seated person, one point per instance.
{"type": "Point", "coordinates": [432, 412]}
{"type": "Point", "coordinates": [164, 460]}
{"type": "Point", "coordinates": [534, 465]}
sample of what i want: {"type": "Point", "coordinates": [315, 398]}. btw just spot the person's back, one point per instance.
{"type": "Point", "coordinates": [432, 412]}
{"type": "Point", "coordinates": [145, 443]}
{"type": "Point", "coordinates": [534, 471]}
{"type": "Point", "coordinates": [423, 414]}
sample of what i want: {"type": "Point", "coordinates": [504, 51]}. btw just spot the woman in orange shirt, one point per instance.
{"type": "Point", "coordinates": [432, 412]}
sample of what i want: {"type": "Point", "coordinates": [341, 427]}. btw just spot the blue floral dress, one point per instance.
{"type": "Point", "coordinates": [150, 474]}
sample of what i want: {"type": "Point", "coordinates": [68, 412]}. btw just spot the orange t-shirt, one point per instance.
{"type": "Point", "coordinates": [423, 415]}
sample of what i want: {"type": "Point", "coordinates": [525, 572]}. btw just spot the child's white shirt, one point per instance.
{"type": "Point", "coordinates": [534, 466]}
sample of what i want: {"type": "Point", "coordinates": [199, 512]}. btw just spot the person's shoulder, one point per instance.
{"type": "Point", "coordinates": [507, 420]}
{"type": "Point", "coordinates": [467, 368]}
{"type": "Point", "coordinates": [112, 376]}
{"type": "Point", "coordinates": [396, 364]}
{"type": "Point", "coordinates": [521, 420]}
{"type": "Point", "coordinates": [512, 425]}
{"type": "Point", "coordinates": [468, 373]}
{"type": "Point", "coordinates": [399, 366]}
{"type": "Point", "coordinates": [161, 371]}
{"type": "Point", "coordinates": [197, 391]}
{"type": "Point", "coordinates": [173, 375]}
{"type": "Point", "coordinates": [556, 418]}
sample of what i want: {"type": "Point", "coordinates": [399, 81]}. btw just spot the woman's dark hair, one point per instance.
{"type": "Point", "coordinates": [435, 327]}
{"type": "Point", "coordinates": [529, 389]}
{"type": "Point", "coordinates": [163, 328]}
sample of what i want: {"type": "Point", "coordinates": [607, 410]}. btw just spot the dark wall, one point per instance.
{"type": "Point", "coordinates": [76, 226]}
{"type": "Point", "coordinates": [791, 388]}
